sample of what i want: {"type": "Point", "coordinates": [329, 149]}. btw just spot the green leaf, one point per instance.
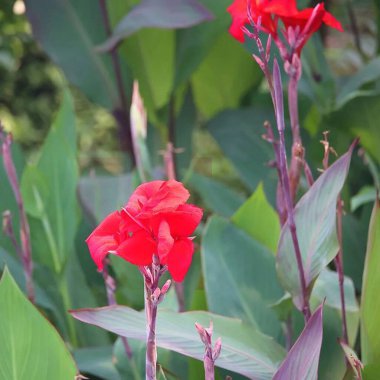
{"type": "Point", "coordinates": [315, 218]}
{"type": "Point", "coordinates": [212, 94]}
{"type": "Point", "coordinates": [150, 55]}
{"type": "Point", "coordinates": [239, 134]}
{"type": "Point", "coordinates": [49, 189]}
{"type": "Point", "coordinates": [28, 340]}
{"type": "Point", "coordinates": [166, 14]}
{"type": "Point", "coordinates": [96, 198]}
{"type": "Point", "coordinates": [303, 358]}
{"type": "Point", "coordinates": [258, 219]}
{"type": "Point", "coordinates": [184, 128]}
{"type": "Point", "coordinates": [217, 196]}
{"type": "Point", "coordinates": [351, 89]}
{"type": "Point", "coordinates": [244, 350]}
{"type": "Point", "coordinates": [365, 195]}
{"type": "Point", "coordinates": [193, 44]}
{"type": "Point", "coordinates": [326, 288]}
{"type": "Point", "coordinates": [96, 361]}
{"type": "Point", "coordinates": [240, 276]}
{"type": "Point", "coordinates": [370, 305]}
{"type": "Point", "coordinates": [70, 41]}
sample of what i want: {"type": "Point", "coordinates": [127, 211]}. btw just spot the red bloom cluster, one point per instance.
{"type": "Point", "coordinates": [155, 221]}
{"type": "Point", "coordinates": [270, 11]}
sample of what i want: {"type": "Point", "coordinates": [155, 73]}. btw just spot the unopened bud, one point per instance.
{"type": "Point", "coordinates": [156, 295]}
{"type": "Point", "coordinates": [203, 335]}
{"type": "Point", "coordinates": [259, 61]}
{"type": "Point", "coordinates": [166, 287]}
{"type": "Point", "coordinates": [138, 114]}
{"type": "Point", "coordinates": [217, 349]}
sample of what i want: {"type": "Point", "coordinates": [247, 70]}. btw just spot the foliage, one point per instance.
{"type": "Point", "coordinates": [66, 78]}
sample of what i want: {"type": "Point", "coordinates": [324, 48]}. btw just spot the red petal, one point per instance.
{"type": "Point", "coordinates": [179, 259]}
{"type": "Point", "coordinates": [184, 220]}
{"type": "Point", "coordinates": [157, 196]}
{"type": "Point", "coordinates": [102, 240]}
{"type": "Point", "coordinates": [138, 249]}
{"type": "Point", "coordinates": [165, 241]}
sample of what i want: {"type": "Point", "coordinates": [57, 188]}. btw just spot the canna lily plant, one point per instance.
{"type": "Point", "coordinates": [270, 267]}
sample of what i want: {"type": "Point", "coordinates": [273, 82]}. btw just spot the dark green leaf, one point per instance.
{"type": "Point", "coordinates": [163, 14]}
{"type": "Point", "coordinates": [240, 276]}
{"type": "Point", "coordinates": [30, 346]}
{"type": "Point", "coordinates": [244, 350]}
{"type": "Point", "coordinates": [315, 218]}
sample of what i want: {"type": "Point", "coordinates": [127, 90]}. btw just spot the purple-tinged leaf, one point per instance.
{"type": "Point", "coordinates": [163, 14]}
{"type": "Point", "coordinates": [315, 219]}
{"type": "Point", "coordinates": [245, 350]}
{"type": "Point", "coordinates": [302, 359]}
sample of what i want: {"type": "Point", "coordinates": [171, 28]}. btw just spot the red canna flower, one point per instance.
{"type": "Point", "coordinates": [155, 221]}
{"type": "Point", "coordinates": [268, 12]}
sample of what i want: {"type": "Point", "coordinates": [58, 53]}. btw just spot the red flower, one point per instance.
{"type": "Point", "coordinates": [270, 11]}
{"type": "Point", "coordinates": [155, 221]}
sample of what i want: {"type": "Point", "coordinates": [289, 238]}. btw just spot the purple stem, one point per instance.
{"type": "Point", "coordinates": [211, 353]}
{"type": "Point", "coordinates": [339, 268]}
{"type": "Point", "coordinates": [286, 185]}
{"type": "Point", "coordinates": [151, 275]}
{"type": "Point", "coordinates": [26, 249]}
{"type": "Point", "coordinates": [297, 149]}
{"type": "Point", "coordinates": [110, 284]}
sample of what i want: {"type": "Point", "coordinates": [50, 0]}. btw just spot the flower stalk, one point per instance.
{"type": "Point", "coordinates": [279, 111]}
{"type": "Point", "coordinates": [25, 249]}
{"type": "Point", "coordinates": [211, 353]}
{"type": "Point", "coordinates": [153, 296]}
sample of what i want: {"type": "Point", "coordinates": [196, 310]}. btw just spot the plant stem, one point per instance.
{"type": "Point", "coordinates": [279, 110]}
{"type": "Point", "coordinates": [26, 248]}
{"type": "Point", "coordinates": [151, 348]}
{"type": "Point", "coordinates": [297, 149]}
{"type": "Point", "coordinates": [339, 268]}
{"type": "Point", "coordinates": [120, 113]}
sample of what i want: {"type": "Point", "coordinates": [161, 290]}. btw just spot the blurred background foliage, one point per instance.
{"type": "Point", "coordinates": [204, 93]}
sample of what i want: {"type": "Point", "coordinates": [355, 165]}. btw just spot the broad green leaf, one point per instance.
{"type": "Point", "coordinates": [351, 89]}
{"type": "Point", "coordinates": [371, 371]}
{"type": "Point", "coordinates": [97, 361]}
{"type": "Point", "coordinates": [97, 200]}
{"type": "Point", "coordinates": [70, 41]}
{"type": "Point", "coordinates": [370, 305]}
{"type": "Point", "coordinates": [217, 196]}
{"type": "Point", "coordinates": [326, 288]}
{"type": "Point", "coordinates": [318, 81]}
{"type": "Point", "coordinates": [150, 55]}
{"type": "Point", "coordinates": [184, 128]}
{"type": "Point", "coordinates": [239, 74]}
{"type": "Point", "coordinates": [365, 195]}
{"type": "Point", "coordinates": [359, 116]}
{"type": "Point", "coordinates": [240, 276]}
{"type": "Point", "coordinates": [30, 346]}
{"type": "Point", "coordinates": [15, 268]}
{"type": "Point", "coordinates": [244, 350]}
{"type": "Point", "coordinates": [315, 218]}
{"type": "Point", "coordinates": [164, 14]}
{"type": "Point", "coordinates": [194, 44]}
{"type": "Point", "coordinates": [49, 189]}
{"type": "Point", "coordinates": [355, 233]}
{"type": "Point", "coordinates": [239, 134]}
{"type": "Point", "coordinates": [303, 358]}
{"type": "Point", "coordinates": [258, 219]}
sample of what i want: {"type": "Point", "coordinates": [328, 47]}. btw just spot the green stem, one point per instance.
{"type": "Point", "coordinates": [63, 288]}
